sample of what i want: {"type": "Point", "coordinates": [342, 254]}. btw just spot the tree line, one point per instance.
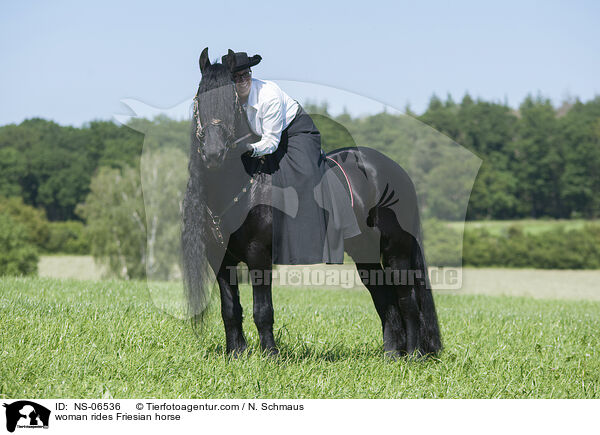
{"type": "Point", "coordinates": [79, 190]}
{"type": "Point", "coordinates": [538, 161]}
{"type": "Point", "coordinates": [51, 166]}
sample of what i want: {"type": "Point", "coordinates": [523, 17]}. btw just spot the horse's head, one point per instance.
{"type": "Point", "coordinates": [214, 112]}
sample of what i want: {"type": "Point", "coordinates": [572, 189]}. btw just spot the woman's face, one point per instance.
{"type": "Point", "coordinates": [243, 80]}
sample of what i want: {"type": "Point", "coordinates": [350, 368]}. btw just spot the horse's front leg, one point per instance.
{"type": "Point", "coordinates": [261, 278]}
{"type": "Point", "coordinates": [231, 309]}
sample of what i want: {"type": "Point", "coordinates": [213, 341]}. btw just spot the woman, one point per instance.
{"type": "Point", "coordinates": [292, 145]}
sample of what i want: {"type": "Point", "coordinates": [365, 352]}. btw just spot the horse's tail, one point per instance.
{"type": "Point", "coordinates": [429, 330]}
{"type": "Point", "coordinates": [194, 259]}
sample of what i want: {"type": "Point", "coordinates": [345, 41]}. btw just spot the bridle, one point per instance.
{"type": "Point", "coordinates": [230, 140]}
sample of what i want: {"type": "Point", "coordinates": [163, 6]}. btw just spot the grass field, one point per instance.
{"type": "Point", "coordinates": [93, 339]}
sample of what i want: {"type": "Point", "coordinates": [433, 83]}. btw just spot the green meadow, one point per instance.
{"type": "Point", "coordinates": [64, 338]}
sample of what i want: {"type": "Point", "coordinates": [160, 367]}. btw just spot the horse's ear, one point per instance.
{"type": "Point", "coordinates": [204, 60]}
{"type": "Point", "coordinates": [230, 59]}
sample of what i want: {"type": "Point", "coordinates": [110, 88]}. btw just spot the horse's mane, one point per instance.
{"type": "Point", "coordinates": [215, 100]}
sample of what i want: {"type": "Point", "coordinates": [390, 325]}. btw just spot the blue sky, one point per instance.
{"type": "Point", "coordinates": [73, 62]}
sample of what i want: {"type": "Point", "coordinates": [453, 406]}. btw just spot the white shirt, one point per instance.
{"type": "Point", "coordinates": [269, 111]}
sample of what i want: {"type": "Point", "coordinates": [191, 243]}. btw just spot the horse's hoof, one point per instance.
{"type": "Point", "coordinates": [238, 353]}
{"type": "Point", "coordinates": [271, 352]}
{"type": "Point", "coordinates": [418, 356]}
{"type": "Point", "coordinates": [394, 355]}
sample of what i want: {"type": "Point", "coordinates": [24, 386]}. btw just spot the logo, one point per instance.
{"type": "Point", "coordinates": [26, 414]}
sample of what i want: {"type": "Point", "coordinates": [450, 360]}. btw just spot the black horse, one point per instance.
{"type": "Point", "coordinates": [228, 215]}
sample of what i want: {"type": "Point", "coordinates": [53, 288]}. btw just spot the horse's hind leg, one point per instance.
{"type": "Point", "coordinates": [386, 303]}
{"type": "Point", "coordinates": [399, 269]}
{"type": "Point", "coordinates": [231, 309]}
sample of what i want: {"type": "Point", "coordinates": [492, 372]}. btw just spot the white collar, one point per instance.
{"type": "Point", "coordinates": [253, 95]}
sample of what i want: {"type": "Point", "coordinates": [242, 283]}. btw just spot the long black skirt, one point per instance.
{"type": "Point", "coordinates": [299, 163]}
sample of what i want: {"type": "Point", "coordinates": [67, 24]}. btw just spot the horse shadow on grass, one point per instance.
{"type": "Point", "coordinates": [294, 352]}
{"type": "Point", "coordinates": [298, 349]}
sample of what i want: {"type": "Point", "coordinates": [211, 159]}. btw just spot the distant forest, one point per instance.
{"type": "Point", "coordinates": [538, 161]}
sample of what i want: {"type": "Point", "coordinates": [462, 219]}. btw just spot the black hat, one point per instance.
{"type": "Point", "coordinates": [239, 61]}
